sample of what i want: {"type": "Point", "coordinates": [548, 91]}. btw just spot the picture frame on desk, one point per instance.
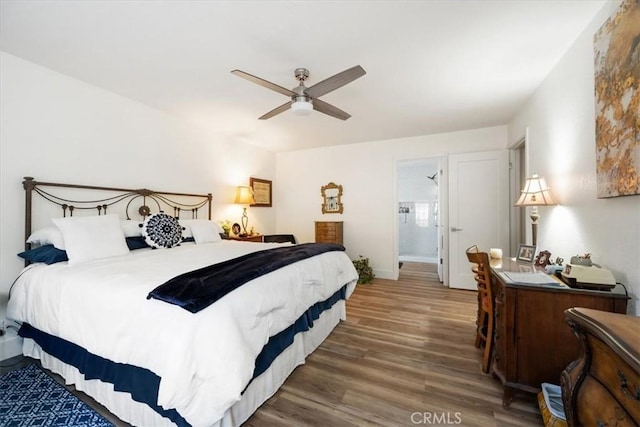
{"type": "Point", "coordinates": [526, 253]}
{"type": "Point", "coordinates": [543, 259]}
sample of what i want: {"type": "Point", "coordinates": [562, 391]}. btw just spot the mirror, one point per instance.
{"type": "Point", "coordinates": [332, 193]}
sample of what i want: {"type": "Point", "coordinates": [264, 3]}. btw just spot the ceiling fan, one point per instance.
{"type": "Point", "coordinates": [305, 99]}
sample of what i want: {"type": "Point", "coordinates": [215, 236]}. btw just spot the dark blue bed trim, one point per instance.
{"type": "Point", "coordinates": [142, 383]}
{"type": "Point", "coordinates": [284, 339]}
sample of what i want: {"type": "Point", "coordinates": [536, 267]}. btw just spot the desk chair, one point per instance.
{"type": "Point", "coordinates": [485, 320]}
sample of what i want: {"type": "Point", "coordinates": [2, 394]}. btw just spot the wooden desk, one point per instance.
{"type": "Point", "coordinates": [532, 342]}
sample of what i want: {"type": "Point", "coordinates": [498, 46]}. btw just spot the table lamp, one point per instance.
{"type": "Point", "coordinates": [535, 193]}
{"type": "Point", "coordinates": [244, 196]}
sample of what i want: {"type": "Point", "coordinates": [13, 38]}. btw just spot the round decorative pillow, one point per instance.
{"type": "Point", "coordinates": [161, 230]}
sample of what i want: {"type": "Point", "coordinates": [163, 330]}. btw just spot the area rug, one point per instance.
{"type": "Point", "coordinates": [29, 397]}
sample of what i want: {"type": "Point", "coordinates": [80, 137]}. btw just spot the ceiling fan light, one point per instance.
{"type": "Point", "coordinates": [302, 108]}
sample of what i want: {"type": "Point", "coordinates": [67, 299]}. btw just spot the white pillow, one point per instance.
{"type": "Point", "coordinates": [186, 228]}
{"type": "Point", "coordinates": [47, 236]}
{"type": "Point", "coordinates": [131, 228]}
{"type": "Point", "coordinates": [92, 237]}
{"type": "Point", "coordinates": [204, 231]}
{"type": "Point", "coordinates": [186, 224]}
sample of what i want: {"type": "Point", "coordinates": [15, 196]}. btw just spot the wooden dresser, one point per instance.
{"type": "Point", "coordinates": [602, 387]}
{"type": "Point", "coordinates": [329, 232]}
{"type": "Point", "coordinates": [532, 342]}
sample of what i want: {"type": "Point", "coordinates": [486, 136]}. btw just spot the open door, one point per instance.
{"type": "Point", "coordinates": [442, 224]}
{"type": "Point", "coordinates": [478, 209]}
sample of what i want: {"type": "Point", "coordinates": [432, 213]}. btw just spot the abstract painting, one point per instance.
{"type": "Point", "coordinates": [617, 98]}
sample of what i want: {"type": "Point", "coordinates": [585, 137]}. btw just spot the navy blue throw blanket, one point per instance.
{"type": "Point", "coordinates": [200, 288]}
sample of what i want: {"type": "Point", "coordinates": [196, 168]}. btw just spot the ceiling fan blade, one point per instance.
{"type": "Point", "coordinates": [263, 83]}
{"type": "Point", "coordinates": [284, 107]}
{"type": "Point", "coordinates": [330, 110]}
{"type": "Point", "coordinates": [335, 82]}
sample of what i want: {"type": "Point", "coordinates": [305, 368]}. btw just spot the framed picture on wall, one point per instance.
{"type": "Point", "coordinates": [616, 86]}
{"type": "Point", "coordinates": [526, 253]}
{"type": "Point", "coordinates": [261, 192]}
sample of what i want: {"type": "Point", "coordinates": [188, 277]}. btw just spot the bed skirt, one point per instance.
{"type": "Point", "coordinates": [258, 391]}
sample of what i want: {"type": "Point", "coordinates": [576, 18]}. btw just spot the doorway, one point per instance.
{"type": "Point", "coordinates": [418, 211]}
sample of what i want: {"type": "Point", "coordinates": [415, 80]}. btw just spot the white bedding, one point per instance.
{"type": "Point", "coordinates": [204, 360]}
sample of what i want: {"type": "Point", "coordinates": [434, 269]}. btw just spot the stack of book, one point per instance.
{"type": "Point", "coordinates": [551, 406]}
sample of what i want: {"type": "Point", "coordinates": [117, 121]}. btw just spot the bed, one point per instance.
{"type": "Point", "coordinates": [180, 327]}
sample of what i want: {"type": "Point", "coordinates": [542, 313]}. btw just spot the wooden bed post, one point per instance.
{"type": "Point", "coordinates": [209, 204]}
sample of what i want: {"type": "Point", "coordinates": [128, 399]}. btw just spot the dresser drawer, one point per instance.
{"type": "Point", "coordinates": [596, 406]}
{"type": "Point", "coordinates": [325, 229]}
{"type": "Point", "coordinates": [330, 236]}
{"type": "Point", "coordinates": [601, 388]}
{"type": "Point", "coordinates": [329, 232]}
{"type": "Point", "coordinates": [616, 375]}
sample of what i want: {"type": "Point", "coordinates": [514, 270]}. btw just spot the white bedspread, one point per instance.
{"type": "Point", "coordinates": [204, 360]}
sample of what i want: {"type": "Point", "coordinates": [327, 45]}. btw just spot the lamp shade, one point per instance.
{"type": "Point", "coordinates": [244, 196]}
{"type": "Point", "coordinates": [302, 108]}
{"type": "Point", "coordinates": [536, 193]}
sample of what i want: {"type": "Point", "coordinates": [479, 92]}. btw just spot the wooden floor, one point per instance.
{"type": "Point", "coordinates": [404, 357]}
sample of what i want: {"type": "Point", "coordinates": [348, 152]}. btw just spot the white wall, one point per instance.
{"type": "Point", "coordinates": [561, 121]}
{"type": "Point", "coordinates": [367, 172]}
{"type": "Point", "coordinates": [59, 129]}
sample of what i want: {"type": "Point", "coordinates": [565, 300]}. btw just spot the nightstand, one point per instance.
{"type": "Point", "coordinates": [255, 238]}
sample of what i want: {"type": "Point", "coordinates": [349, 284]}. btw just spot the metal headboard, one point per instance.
{"type": "Point", "coordinates": [163, 200]}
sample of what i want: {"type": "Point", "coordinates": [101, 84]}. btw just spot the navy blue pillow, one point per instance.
{"type": "Point", "coordinates": [136, 242]}
{"type": "Point", "coordinates": [48, 254]}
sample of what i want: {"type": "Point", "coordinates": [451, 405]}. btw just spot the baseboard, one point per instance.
{"type": "Point", "coordinates": [410, 258]}
{"type": "Point", "coordinates": [384, 274]}
{"type": "Point", "coordinates": [10, 345]}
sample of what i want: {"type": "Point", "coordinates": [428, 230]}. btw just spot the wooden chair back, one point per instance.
{"type": "Point", "coordinates": [480, 270]}
{"type": "Point", "coordinates": [485, 319]}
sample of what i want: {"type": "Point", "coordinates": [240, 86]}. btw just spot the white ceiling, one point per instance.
{"type": "Point", "coordinates": [432, 66]}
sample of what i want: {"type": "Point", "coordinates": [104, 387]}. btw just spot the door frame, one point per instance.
{"type": "Point", "coordinates": [518, 171]}
{"type": "Point", "coordinates": [443, 221]}
{"type": "Point", "coordinates": [443, 270]}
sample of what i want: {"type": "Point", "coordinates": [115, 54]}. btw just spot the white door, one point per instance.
{"type": "Point", "coordinates": [441, 224]}
{"type": "Point", "coordinates": [478, 209]}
